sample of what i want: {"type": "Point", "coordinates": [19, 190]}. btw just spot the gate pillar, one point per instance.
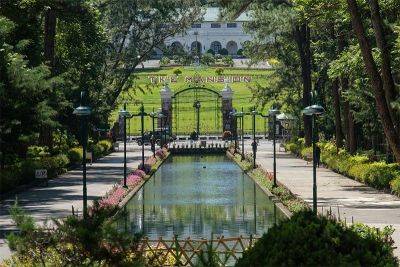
{"type": "Point", "coordinates": [166, 108]}
{"type": "Point", "coordinates": [227, 120]}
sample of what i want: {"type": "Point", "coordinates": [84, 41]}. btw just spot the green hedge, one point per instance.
{"type": "Point", "coordinates": [24, 171]}
{"type": "Point", "coordinates": [380, 175]}
{"type": "Point", "coordinates": [310, 240]}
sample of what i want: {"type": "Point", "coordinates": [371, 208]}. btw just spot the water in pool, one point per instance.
{"type": "Point", "coordinates": [199, 195]}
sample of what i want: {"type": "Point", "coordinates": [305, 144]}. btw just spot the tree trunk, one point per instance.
{"type": "Point", "coordinates": [387, 78]}
{"type": "Point", "coordinates": [338, 119]}
{"type": "Point", "coordinates": [375, 79]}
{"type": "Point", "coordinates": [50, 24]}
{"type": "Point", "coordinates": [349, 125]}
{"type": "Point", "coordinates": [302, 36]}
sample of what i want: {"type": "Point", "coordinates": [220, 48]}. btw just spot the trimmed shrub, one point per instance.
{"type": "Point", "coordinates": [219, 71]}
{"type": "Point", "coordinates": [177, 71]}
{"type": "Point", "coordinates": [207, 59]}
{"type": "Point", "coordinates": [307, 153]}
{"type": "Point", "coordinates": [240, 52]}
{"type": "Point", "coordinates": [224, 52]}
{"type": "Point", "coordinates": [106, 144]}
{"type": "Point", "coordinates": [228, 61]}
{"type": "Point", "coordinates": [310, 240]}
{"type": "Point", "coordinates": [210, 51]}
{"type": "Point", "coordinates": [395, 186]}
{"type": "Point", "coordinates": [9, 179]}
{"type": "Point", "coordinates": [165, 61]}
{"type": "Point", "coordinates": [98, 150]}
{"type": "Point", "coordinates": [380, 174]}
{"type": "Point", "coordinates": [75, 155]}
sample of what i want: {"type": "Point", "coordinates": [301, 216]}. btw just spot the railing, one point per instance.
{"type": "Point", "coordinates": [189, 252]}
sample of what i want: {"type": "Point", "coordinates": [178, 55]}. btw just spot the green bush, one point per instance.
{"type": "Point", "coordinates": [307, 153]}
{"type": "Point", "coordinates": [75, 155]}
{"type": "Point", "coordinates": [177, 72]}
{"type": "Point", "coordinates": [219, 71]}
{"type": "Point", "coordinates": [395, 186]}
{"type": "Point", "coordinates": [380, 174]}
{"type": "Point", "coordinates": [106, 144]}
{"type": "Point", "coordinates": [165, 61]}
{"type": "Point", "coordinates": [210, 51]}
{"type": "Point", "coordinates": [97, 150]}
{"type": "Point", "coordinates": [310, 240]}
{"type": "Point", "coordinates": [207, 59]}
{"type": "Point", "coordinates": [224, 52]}
{"type": "Point", "coordinates": [240, 52]}
{"type": "Point", "coordinates": [228, 61]}
{"type": "Point", "coordinates": [27, 169]}
{"type": "Point", "coordinates": [37, 151]}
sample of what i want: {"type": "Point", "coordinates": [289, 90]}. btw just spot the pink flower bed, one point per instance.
{"type": "Point", "coordinates": [132, 180]}
{"type": "Point", "coordinates": [139, 173]}
{"type": "Point", "coordinates": [118, 192]}
{"type": "Point", "coordinates": [113, 197]}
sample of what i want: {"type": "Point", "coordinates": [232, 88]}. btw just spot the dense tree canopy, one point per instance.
{"type": "Point", "coordinates": [50, 51]}
{"type": "Point", "coordinates": [340, 54]}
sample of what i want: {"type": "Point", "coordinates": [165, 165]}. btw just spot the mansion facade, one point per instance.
{"type": "Point", "coordinates": [211, 33]}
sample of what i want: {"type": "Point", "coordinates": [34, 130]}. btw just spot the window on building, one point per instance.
{"type": "Point", "coordinates": [215, 25]}
{"type": "Point", "coordinates": [231, 25]}
{"type": "Point", "coordinates": [196, 26]}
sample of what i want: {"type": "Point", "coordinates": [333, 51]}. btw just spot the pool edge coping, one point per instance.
{"type": "Point", "coordinates": [278, 203]}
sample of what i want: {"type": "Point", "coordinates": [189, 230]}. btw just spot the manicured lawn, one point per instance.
{"type": "Point", "coordinates": [210, 115]}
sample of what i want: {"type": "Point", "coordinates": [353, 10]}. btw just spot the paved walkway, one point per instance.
{"type": "Point", "coordinates": [354, 200]}
{"type": "Point", "coordinates": [56, 200]}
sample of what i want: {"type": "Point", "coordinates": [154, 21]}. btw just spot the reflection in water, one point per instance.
{"type": "Point", "coordinates": [196, 196]}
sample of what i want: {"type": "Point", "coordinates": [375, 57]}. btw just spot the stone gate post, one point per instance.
{"type": "Point", "coordinates": [166, 107]}
{"type": "Point", "coordinates": [227, 108]}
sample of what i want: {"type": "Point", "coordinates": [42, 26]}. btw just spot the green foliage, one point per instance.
{"type": "Point", "coordinates": [210, 51]}
{"type": "Point", "coordinates": [37, 151]}
{"type": "Point", "coordinates": [94, 241]}
{"type": "Point", "coordinates": [75, 155]}
{"type": "Point", "coordinates": [106, 144]}
{"type": "Point", "coordinates": [177, 71]}
{"type": "Point", "coordinates": [165, 61]}
{"type": "Point", "coordinates": [223, 52]}
{"type": "Point", "coordinates": [227, 60]}
{"type": "Point", "coordinates": [240, 52]}
{"type": "Point", "coordinates": [309, 240]}
{"type": "Point", "coordinates": [219, 71]}
{"type": "Point", "coordinates": [207, 59]}
{"type": "Point", "coordinates": [376, 174]}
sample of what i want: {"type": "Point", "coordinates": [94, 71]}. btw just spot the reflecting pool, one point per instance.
{"type": "Point", "coordinates": [199, 195]}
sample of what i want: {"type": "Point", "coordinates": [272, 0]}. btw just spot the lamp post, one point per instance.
{"type": "Point", "coordinates": [254, 144]}
{"type": "Point", "coordinates": [314, 110]}
{"type": "Point", "coordinates": [197, 106]}
{"type": "Point", "coordinates": [153, 115]}
{"type": "Point", "coordinates": [124, 114]}
{"type": "Point", "coordinates": [83, 113]}
{"type": "Point", "coordinates": [141, 114]}
{"type": "Point", "coordinates": [273, 112]}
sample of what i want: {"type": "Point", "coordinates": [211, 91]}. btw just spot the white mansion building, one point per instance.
{"type": "Point", "coordinates": [213, 34]}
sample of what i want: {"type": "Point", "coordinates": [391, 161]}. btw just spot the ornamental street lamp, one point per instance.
{"type": "Point", "coordinates": [314, 110]}
{"type": "Point", "coordinates": [83, 113]}
{"type": "Point", "coordinates": [273, 112]}
{"type": "Point", "coordinates": [254, 144]}
{"type": "Point", "coordinates": [124, 114]}
{"type": "Point", "coordinates": [153, 116]}
{"type": "Point", "coordinates": [197, 106]}
{"type": "Point", "coordinates": [240, 115]}
{"type": "Point", "coordinates": [141, 114]}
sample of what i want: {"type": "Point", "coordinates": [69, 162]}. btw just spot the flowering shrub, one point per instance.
{"type": "Point", "coordinates": [160, 154]}
{"type": "Point", "coordinates": [113, 197]}
{"type": "Point", "coordinates": [132, 180]}
{"type": "Point", "coordinates": [139, 173]}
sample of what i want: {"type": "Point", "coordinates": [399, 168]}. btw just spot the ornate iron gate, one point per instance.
{"type": "Point", "coordinates": [184, 111]}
